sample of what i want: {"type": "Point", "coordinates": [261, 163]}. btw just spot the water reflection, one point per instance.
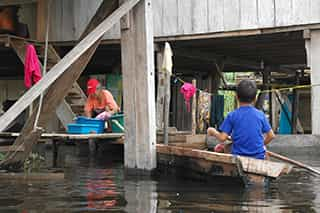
{"type": "Point", "coordinates": [141, 196]}
{"type": "Point", "coordinates": [98, 184]}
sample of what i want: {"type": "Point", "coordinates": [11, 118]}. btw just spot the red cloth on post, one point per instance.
{"type": "Point", "coordinates": [32, 71]}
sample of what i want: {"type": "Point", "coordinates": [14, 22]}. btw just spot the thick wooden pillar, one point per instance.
{"type": "Point", "coordinates": [137, 50]}
{"type": "Point", "coordinates": [313, 56]}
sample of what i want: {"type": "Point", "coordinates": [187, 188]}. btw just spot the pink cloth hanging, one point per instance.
{"type": "Point", "coordinates": [188, 91]}
{"type": "Point", "coordinates": [32, 71]}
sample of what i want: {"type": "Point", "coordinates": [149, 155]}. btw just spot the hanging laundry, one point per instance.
{"type": "Point", "coordinates": [32, 71]}
{"type": "Point", "coordinates": [188, 91]}
{"type": "Point", "coordinates": [204, 102]}
{"type": "Point", "coordinates": [217, 109]}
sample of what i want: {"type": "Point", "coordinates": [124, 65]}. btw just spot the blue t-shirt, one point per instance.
{"type": "Point", "coordinates": [246, 126]}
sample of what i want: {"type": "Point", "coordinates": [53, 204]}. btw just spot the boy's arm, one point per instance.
{"type": "Point", "coordinates": [269, 136]}
{"type": "Point", "coordinates": [221, 136]}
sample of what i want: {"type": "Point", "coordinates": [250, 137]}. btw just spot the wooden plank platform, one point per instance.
{"type": "Point", "coordinates": [63, 136]}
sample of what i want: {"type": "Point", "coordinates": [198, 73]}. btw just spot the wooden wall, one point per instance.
{"type": "Point", "coordinates": [181, 17]}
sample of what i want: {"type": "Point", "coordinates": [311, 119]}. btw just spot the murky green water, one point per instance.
{"type": "Point", "coordinates": [98, 184]}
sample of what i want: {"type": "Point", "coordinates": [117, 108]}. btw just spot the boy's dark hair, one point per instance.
{"type": "Point", "coordinates": [246, 91]}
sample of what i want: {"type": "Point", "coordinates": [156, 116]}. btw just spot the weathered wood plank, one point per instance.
{"type": "Point", "coordinates": [16, 2]}
{"type": "Point", "coordinates": [199, 16]}
{"type": "Point", "coordinates": [138, 80]}
{"type": "Point", "coordinates": [215, 15]}
{"type": "Point", "coordinates": [42, 13]}
{"type": "Point", "coordinates": [65, 114]}
{"type": "Point", "coordinates": [81, 17]}
{"type": "Point", "coordinates": [184, 16]}
{"type": "Point", "coordinates": [187, 152]}
{"type": "Point", "coordinates": [313, 50]}
{"type": "Point", "coordinates": [67, 136]}
{"type": "Point", "coordinates": [266, 13]}
{"type": "Point", "coordinates": [158, 17]}
{"type": "Point", "coordinates": [183, 138]}
{"type": "Point", "coordinates": [263, 167]}
{"type": "Point", "coordinates": [170, 17]}
{"type": "Point", "coordinates": [231, 14]}
{"type": "Point", "coordinates": [283, 14]}
{"type": "Point", "coordinates": [56, 21]}
{"type": "Point", "coordinates": [314, 11]}
{"type": "Point", "coordinates": [248, 14]}
{"type": "Point", "coordinates": [68, 26]}
{"type": "Point", "coordinates": [129, 92]}
{"type": "Point", "coordinates": [195, 145]}
{"type": "Point", "coordinates": [160, 91]}
{"type": "Point", "coordinates": [11, 149]}
{"type": "Point", "coordinates": [301, 11]}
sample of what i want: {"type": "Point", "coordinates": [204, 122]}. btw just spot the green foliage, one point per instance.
{"type": "Point", "coordinates": [229, 96]}
{"type": "Point", "coordinates": [229, 101]}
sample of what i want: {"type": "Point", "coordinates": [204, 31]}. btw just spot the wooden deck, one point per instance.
{"type": "Point", "coordinates": [64, 136]}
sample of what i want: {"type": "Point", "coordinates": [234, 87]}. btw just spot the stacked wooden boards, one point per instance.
{"type": "Point", "coordinates": [212, 164]}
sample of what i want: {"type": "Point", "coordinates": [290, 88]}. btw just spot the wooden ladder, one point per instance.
{"type": "Point", "coordinates": [74, 102]}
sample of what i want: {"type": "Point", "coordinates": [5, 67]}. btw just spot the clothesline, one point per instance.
{"type": "Point", "coordinates": [261, 91]}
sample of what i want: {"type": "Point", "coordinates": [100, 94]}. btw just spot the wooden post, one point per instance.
{"type": "Point", "coordinates": [295, 104]}
{"type": "Point", "coordinates": [92, 146]}
{"type": "Point", "coordinates": [42, 11]}
{"type": "Point", "coordinates": [194, 109]}
{"type": "Point", "coordinates": [160, 91]}
{"type": "Point", "coordinates": [313, 57]}
{"type": "Point", "coordinates": [167, 98]}
{"type": "Point", "coordinates": [54, 153]}
{"type": "Point", "coordinates": [270, 96]}
{"type": "Point", "coordinates": [137, 54]}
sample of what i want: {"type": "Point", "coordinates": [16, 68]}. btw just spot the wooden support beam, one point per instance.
{"type": "Point", "coordinates": [16, 2]}
{"type": "Point", "coordinates": [295, 108]}
{"type": "Point", "coordinates": [62, 136]}
{"type": "Point", "coordinates": [11, 149]}
{"type": "Point", "coordinates": [161, 90]}
{"type": "Point", "coordinates": [75, 62]}
{"type": "Point", "coordinates": [57, 70]}
{"type": "Point", "coordinates": [137, 51]}
{"type": "Point", "coordinates": [42, 16]}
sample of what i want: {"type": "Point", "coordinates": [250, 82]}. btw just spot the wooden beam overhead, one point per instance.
{"type": "Point", "coordinates": [16, 2]}
{"type": "Point", "coordinates": [212, 57]}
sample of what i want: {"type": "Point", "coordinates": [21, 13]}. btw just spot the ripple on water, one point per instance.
{"type": "Point", "coordinates": [93, 185]}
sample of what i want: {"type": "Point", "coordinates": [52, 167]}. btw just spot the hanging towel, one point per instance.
{"type": "Point", "coordinates": [204, 101]}
{"type": "Point", "coordinates": [217, 110]}
{"type": "Point", "coordinates": [188, 91]}
{"type": "Point", "coordinates": [32, 71]}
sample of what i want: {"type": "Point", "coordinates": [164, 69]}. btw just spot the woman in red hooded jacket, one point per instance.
{"type": "Point", "coordinates": [100, 103]}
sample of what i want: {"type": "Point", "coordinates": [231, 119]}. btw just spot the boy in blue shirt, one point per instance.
{"type": "Point", "coordinates": [248, 127]}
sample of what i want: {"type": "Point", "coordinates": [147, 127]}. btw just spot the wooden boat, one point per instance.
{"type": "Point", "coordinates": [206, 164]}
